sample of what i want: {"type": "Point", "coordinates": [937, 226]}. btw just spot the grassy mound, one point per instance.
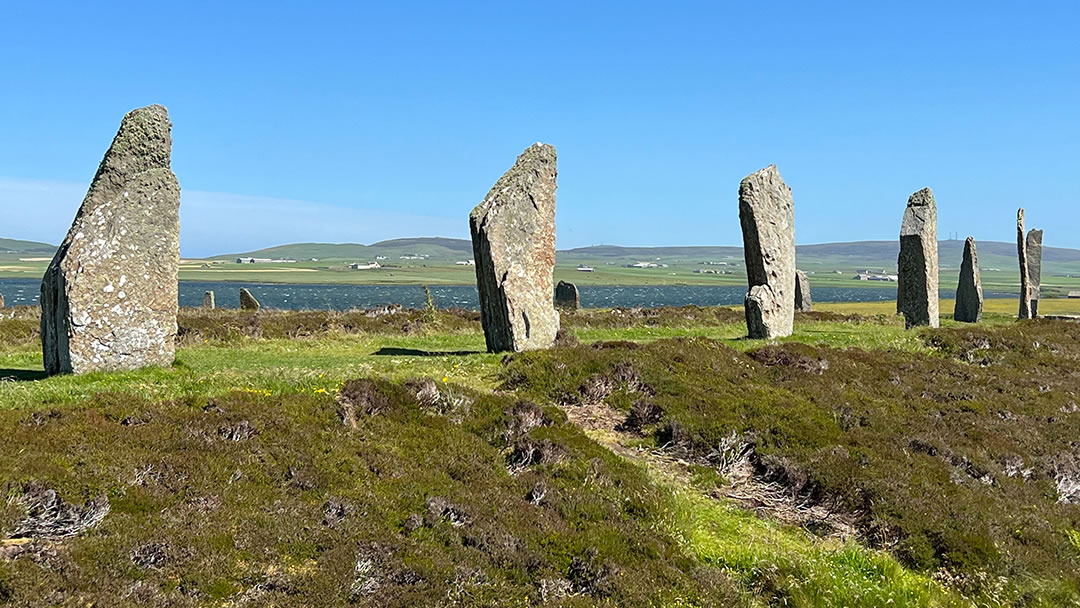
{"type": "Point", "coordinates": [962, 461]}
{"type": "Point", "coordinates": [388, 495]}
{"type": "Point", "coordinates": [852, 464]}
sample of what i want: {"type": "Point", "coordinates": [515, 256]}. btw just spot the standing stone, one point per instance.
{"type": "Point", "coordinates": [248, 301]}
{"type": "Point", "coordinates": [969, 293]}
{"type": "Point", "coordinates": [109, 296]}
{"type": "Point", "coordinates": [917, 290]}
{"type": "Point", "coordinates": [513, 237]}
{"type": "Point", "coordinates": [767, 215]}
{"type": "Point", "coordinates": [566, 296]}
{"type": "Point", "coordinates": [1, 300]}
{"type": "Point", "coordinates": [208, 300]}
{"type": "Point", "coordinates": [1022, 257]}
{"type": "Point", "coordinates": [803, 301]}
{"type": "Point", "coordinates": [1034, 266]}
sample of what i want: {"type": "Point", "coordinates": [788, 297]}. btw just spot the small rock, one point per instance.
{"type": "Point", "coordinates": [566, 296]}
{"type": "Point", "coordinates": [248, 301]}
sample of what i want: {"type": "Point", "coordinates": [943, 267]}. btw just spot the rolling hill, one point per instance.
{"type": "Point", "coordinates": [434, 247]}
{"type": "Point", "coordinates": [871, 254]}
{"type": "Point", "coordinates": [15, 246]}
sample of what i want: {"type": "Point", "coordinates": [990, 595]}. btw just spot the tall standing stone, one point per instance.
{"type": "Point", "coordinates": [208, 300]}
{"type": "Point", "coordinates": [567, 296]}
{"type": "Point", "coordinates": [1, 300]}
{"type": "Point", "coordinates": [1034, 267]}
{"type": "Point", "coordinates": [109, 296]}
{"type": "Point", "coordinates": [969, 293]}
{"type": "Point", "coordinates": [513, 237]}
{"type": "Point", "coordinates": [803, 301]}
{"type": "Point", "coordinates": [1022, 257]}
{"type": "Point", "coordinates": [767, 215]}
{"type": "Point", "coordinates": [917, 289]}
{"type": "Point", "coordinates": [248, 301]}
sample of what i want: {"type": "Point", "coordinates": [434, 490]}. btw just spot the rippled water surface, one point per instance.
{"type": "Point", "coordinates": [343, 297]}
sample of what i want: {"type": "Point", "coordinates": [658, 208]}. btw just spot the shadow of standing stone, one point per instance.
{"type": "Point", "coordinates": [109, 296]}
{"type": "Point", "coordinates": [917, 287]}
{"type": "Point", "coordinates": [513, 238]}
{"type": "Point", "coordinates": [969, 293]}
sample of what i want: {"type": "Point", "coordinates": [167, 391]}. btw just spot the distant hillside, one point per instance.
{"type": "Point", "coordinates": [860, 253]}
{"type": "Point", "coordinates": [436, 247]}
{"type": "Point", "coordinates": [11, 246]}
{"type": "Point", "coordinates": [616, 251]}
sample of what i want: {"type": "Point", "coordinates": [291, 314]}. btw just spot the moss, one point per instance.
{"type": "Point", "coordinates": [403, 506]}
{"type": "Point", "coordinates": [941, 456]}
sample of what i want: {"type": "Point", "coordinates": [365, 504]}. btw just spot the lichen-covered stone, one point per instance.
{"type": "Point", "coordinates": [969, 293]}
{"type": "Point", "coordinates": [917, 290]}
{"type": "Point", "coordinates": [109, 296]}
{"type": "Point", "coordinates": [1022, 258]}
{"type": "Point", "coordinates": [1034, 266]}
{"type": "Point", "coordinates": [208, 300]}
{"type": "Point", "coordinates": [248, 301]}
{"type": "Point", "coordinates": [513, 237]}
{"type": "Point", "coordinates": [567, 296]}
{"type": "Point", "coordinates": [767, 215]}
{"type": "Point", "coordinates": [803, 301]}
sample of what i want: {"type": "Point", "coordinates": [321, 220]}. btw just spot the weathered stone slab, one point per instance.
{"type": "Point", "coordinates": [917, 290]}
{"type": "Point", "coordinates": [109, 296]}
{"type": "Point", "coordinates": [1034, 265]}
{"type": "Point", "coordinates": [248, 301]}
{"type": "Point", "coordinates": [567, 296]}
{"type": "Point", "coordinates": [969, 293]}
{"type": "Point", "coordinates": [803, 301]}
{"type": "Point", "coordinates": [1022, 258]}
{"type": "Point", "coordinates": [1, 300]}
{"type": "Point", "coordinates": [208, 300]}
{"type": "Point", "coordinates": [767, 215]}
{"type": "Point", "coordinates": [513, 237]}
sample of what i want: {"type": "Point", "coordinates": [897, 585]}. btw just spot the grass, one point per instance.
{"type": "Point", "coordinates": [956, 455]}
{"type": "Point", "coordinates": [612, 530]}
{"type": "Point", "coordinates": [1058, 278]}
{"type": "Point", "coordinates": [796, 567]}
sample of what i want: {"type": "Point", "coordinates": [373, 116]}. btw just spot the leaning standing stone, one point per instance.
{"type": "Point", "coordinates": [566, 296]}
{"type": "Point", "coordinates": [767, 215]}
{"type": "Point", "coordinates": [1022, 257]}
{"type": "Point", "coordinates": [803, 302]}
{"type": "Point", "coordinates": [1034, 266]}
{"type": "Point", "coordinates": [208, 300]}
{"type": "Point", "coordinates": [248, 301]}
{"type": "Point", "coordinates": [109, 296]}
{"type": "Point", "coordinates": [917, 290]}
{"type": "Point", "coordinates": [513, 237]}
{"type": "Point", "coordinates": [969, 293]}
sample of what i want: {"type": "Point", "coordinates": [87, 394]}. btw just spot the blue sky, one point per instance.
{"type": "Point", "coordinates": [356, 121]}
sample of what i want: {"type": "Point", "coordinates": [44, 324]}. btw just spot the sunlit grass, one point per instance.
{"type": "Point", "coordinates": [760, 553]}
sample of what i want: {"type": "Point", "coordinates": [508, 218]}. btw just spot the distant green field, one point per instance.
{"type": "Point", "coordinates": [829, 265]}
